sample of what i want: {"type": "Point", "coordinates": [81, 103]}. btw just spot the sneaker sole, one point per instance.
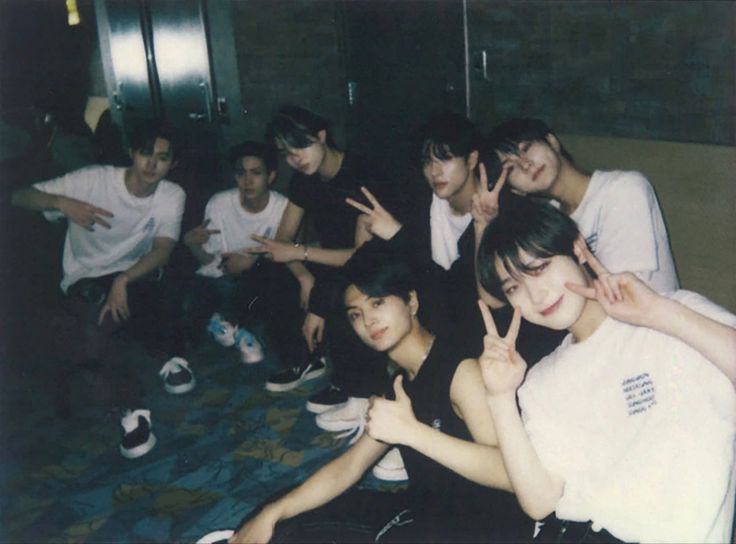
{"type": "Point", "coordinates": [181, 388]}
{"type": "Point", "coordinates": [317, 408]}
{"type": "Point", "coordinates": [390, 475]}
{"type": "Point", "coordinates": [336, 426]}
{"type": "Point", "coordinates": [280, 387]}
{"type": "Point", "coordinates": [216, 536]}
{"type": "Point", "coordinates": [141, 450]}
{"type": "Point", "coordinates": [251, 360]}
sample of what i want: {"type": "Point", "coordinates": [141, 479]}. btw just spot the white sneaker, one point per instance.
{"type": "Point", "coordinates": [137, 439]}
{"type": "Point", "coordinates": [391, 467]}
{"type": "Point", "coordinates": [222, 331]}
{"type": "Point", "coordinates": [177, 376]}
{"type": "Point", "coordinates": [251, 350]}
{"type": "Point", "coordinates": [349, 416]}
{"type": "Point", "coordinates": [216, 536]}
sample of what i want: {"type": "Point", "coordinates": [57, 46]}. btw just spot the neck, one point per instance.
{"type": "Point", "coordinates": [570, 186]}
{"type": "Point", "coordinates": [330, 164]}
{"type": "Point", "coordinates": [413, 350]}
{"type": "Point", "coordinates": [136, 187]}
{"type": "Point", "coordinates": [461, 202]}
{"type": "Point", "coordinates": [590, 319]}
{"type": "Point", "coordinates": [256, 205]}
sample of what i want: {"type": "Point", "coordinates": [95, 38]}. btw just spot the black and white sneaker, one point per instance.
{"type": "Point", "coordinates": [177, 376]}
{"type": "Point", "coordinates": [293, 377]}
{"type": "Point", "coordinates": [327, 398]}
{"type": "Point", "coordinates": [137, 439]}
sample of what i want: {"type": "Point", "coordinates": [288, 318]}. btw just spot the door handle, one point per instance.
{"type": "Point", "coordinates": [480, 63]}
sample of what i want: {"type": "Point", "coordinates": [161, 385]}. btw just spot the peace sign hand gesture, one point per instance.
{"type": "Point", "coordinates": [484, 204]}
{"type": "Point", "coordinates": [376, 220]}
{"type": "Point", "coordinates": [623, 296]}
{"type": "Point", "coordinates": [502, 367]}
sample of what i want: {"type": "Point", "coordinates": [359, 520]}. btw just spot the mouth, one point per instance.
{"type": "Point", "coordinates": [538, 173]}
{"type": "Point", "coordinates": [549, 310]}
{"type": "Point", "coordinates": [439, 185]}
{"type": "Point", "coordinates": [377, 335]}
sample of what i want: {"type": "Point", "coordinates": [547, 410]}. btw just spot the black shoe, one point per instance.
{"type": "Point", "coordinates": [288, 379]}
{"type": "Point", "coordinates": [326, 399]}
{"type": "Point", "coordinates": [137, 439]}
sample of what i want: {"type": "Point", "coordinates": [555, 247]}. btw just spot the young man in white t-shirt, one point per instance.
{"type": "Point", "coordinates": [617, 212]}
{"type": "Point", "coordinates": [627, 430]}
{"type": "Point", "coordinates": [238, 285]}
{"type": "Point", "coordinates": [123, 224]}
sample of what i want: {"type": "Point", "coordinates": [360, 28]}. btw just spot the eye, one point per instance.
{"type": "Point", "coordinates": [524, 147]}
{"type": "Point", "coordinates": [376, 302]}
{"type": "Point", "coordinates": [510, 290]}
{"type": "Point", "coordinates": [352, 316]}
{"type": "Point", "coordinates": [538, 269]}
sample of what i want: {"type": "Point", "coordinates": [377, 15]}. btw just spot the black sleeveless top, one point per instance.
{"type": "Point", "coordinates": [460, 510]}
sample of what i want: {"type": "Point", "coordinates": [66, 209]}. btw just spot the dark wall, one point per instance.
{"type": "Point", "coordinates": [641, 69]}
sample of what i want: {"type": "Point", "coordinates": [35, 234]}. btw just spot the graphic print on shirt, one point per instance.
{"type": "Point", "coordinates": [144, 246]}
{"type": "Point", "coordinates": [639, 393]}
{"type": "Point", "coordinates": [592, 242]}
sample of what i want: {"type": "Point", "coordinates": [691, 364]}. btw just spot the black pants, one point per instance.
{"type": "Point", "coordinates": [572, 532]}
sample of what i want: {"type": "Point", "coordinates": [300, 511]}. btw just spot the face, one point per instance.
{"type": "Point", "coordinates": [541, 294]}
{"type": "Point", "coordinates": [535, 168]}
{"type": "Point", "coordinates": [253, 179]}
{"type": "Point", "coordinates": [381, 322]}
{"type": "Point", "coordinates": [152, 165]}
{"type": "Point", "coordinates": [449, 177]}
{"type": "Point", "coordinates": [306, 160]}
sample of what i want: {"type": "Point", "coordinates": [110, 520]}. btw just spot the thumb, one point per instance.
{"type": "Point", "coordinates": [401, 395]}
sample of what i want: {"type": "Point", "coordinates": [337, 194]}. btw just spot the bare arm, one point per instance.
{"type": "Point", "coordinates": [320, 488]}
{"type": "Point", "coordinates": [196, 238]}
{"type": "Point", "coordinates": [503, 369]}
{"type": "Point", "coordinates": [78, 211]}
{"type": "Point", "coordinates": [484, 209]}
{"type": "Point", "coordinates": [479, 461]}
{"type": "Point", "coordinates": [117, 299]}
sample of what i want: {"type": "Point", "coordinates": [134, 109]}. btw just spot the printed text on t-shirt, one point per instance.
{"type": "Point", "coordinates": [639, 393]}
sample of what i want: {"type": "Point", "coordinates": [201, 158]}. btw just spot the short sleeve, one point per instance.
{"type": "Point", "coordinates": [214, 244]}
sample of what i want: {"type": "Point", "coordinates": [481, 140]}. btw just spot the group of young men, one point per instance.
{"type": "Point", "coordinates": [624, 428]}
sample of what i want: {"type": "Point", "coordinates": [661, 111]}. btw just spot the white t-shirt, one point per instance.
{"type": "Point", "coordinates": [237, 225]}
{"type": "Point", "coordinates": [136, 222]}
{"type": "Point", "coordinates": [622, 223]}
{"type": "Point", "coordinates": [641, 427]}
{"type": "Point", "coordinates": [446, 228]}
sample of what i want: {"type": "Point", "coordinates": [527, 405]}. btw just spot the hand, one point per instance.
{"type": "Point", "coordinates": [258, 530]}
{"type": "Point", "coordinates": [117, 301]}
{"type": "Point", "coordinates": [306, 282]}
{"type": "Point", "coordinates": [484, 203]}
{"type": "Point", "coordinates": [502, 367]}
{"type": "Point", "coordinates": [391, 421]}
{"type": "Point", "coordinates": [83, 213]}
{"type": "Point", "coordinates": [623, 296]}
{"type": "Point", "coordinates": [313, 330]}
{"type": "Point", "coordinates": [199, 235]}
{"type": "Point", "coordinates": [377, 220]}
{"type": "Point", "coordinates": [273, 250]}
{"type": "Point", "coordinates": [234, 262]}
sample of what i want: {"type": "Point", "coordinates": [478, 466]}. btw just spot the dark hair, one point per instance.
{"type": "Point", "coordinates": [507, 136]}
{"type": "Point", "coordinates": [264, 151]}
{"type": "Point", "coordinates": [540, 229]}
{"type": "Point", "coordinates": [448, 135]}
{"type": "Point", "coordinates": [380, 277]}
{"type": "Point", "coordinates": [145, 133]}
{"type": "Point", "coordinates": [297, 127]}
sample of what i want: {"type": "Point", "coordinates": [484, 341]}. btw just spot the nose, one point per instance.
{"type": "Point", "coordinates": [537, 291]}
{"type": "Point", "coordinates": [369, 319]}
{"type": "Point", "coordinates": [435, 169]}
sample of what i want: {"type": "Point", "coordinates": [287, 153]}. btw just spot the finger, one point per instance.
{"type": "Point", "coordinates": [372, 199]}
{"type": "Point", "coordinates": [100, 221]}
{"type": "Point", "coordinates": [257, 250]}
{"type": "Point", "coordinates": [358, 206]}
{"type": "Point", "coordinates": [259, 238]}
{"type": "Point", "coordinates": [514, 328]}
{"type": "Point", "coordinates": [212, 231]}
{"type": "Point", "coordinates": [582, 290]}
{"type": "Point", "coordinates": [310, 341]}
{"type": "Point", "coordinates": [205, 223]}
{"type": "Point", "coordinates": [320, 330]}
{"type": "Point", "coordinates": [401, 395]}
{"type": "Point", "coordinates": [103, 313]}
{"type": "Point", "coordinates": [501, 181]}
{"type": "Point", "coordinates": [604, 290]}
{"type": "Point", "coordinates": [103, 211]}
{"type": "Point", "coordinates": [483, 177]}
{"type": "Point", "coordinates": [586, 255]}
{"type": "Point", "coordinates": [488, 319]}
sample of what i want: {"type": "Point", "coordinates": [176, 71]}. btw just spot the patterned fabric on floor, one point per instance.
{"type": "Point", "coordinates": [222, 450]}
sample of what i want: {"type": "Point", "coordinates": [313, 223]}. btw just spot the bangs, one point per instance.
{"type": "Point", "coordinates": [431, 149]}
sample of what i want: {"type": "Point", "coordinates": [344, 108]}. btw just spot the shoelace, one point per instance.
{"type": "Point", "coordinates": [395, 522]}
{"type": "Point", "coordinates": [356, 431]}
{"type": "Point", "coordinates": [172, 366]}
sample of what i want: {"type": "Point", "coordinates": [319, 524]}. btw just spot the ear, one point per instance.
{"type": "Point", "coordinates": [271, 176]}
{"type": "Point", "coordinates": [413, 303]}
{"type": "Point", "coordinates": [322, 136]}
{"type": "Point", "coordinates": [473, 159]}
{"type": "Point", "coordinates": [553, 142]}
{"type": "Point", "coordinates": [577, 248]}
